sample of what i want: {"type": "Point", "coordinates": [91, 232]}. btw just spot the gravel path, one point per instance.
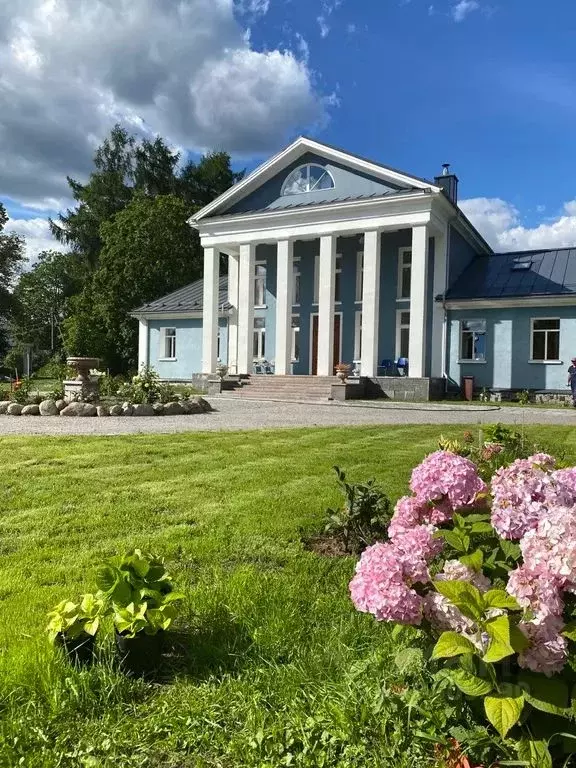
{"type": "Point", "coordinates": [244, 414]}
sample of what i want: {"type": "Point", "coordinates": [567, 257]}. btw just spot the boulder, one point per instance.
{"type": "Point", "coordinates": [48, 408]}
{"type": "Point", "coordinates": [31, 410]}
{"type": "Point", "coordinates": [79, 409]}
{"type": "Point", "coordinates": [14, 409]}
{"type": "Point", "coordinates": [173, 409]}
{"type": "Point", "coordinates": [102, 410]}
{"type": "Point", "coordinates": [61, 404]}
{"type": "Point", "coordinates": [204, 405]}
{"type": "Point", "coordinates": [116, 410]}
{"type": "Point", "coordinates": [4, 405]}
{"type": "Point", "coordinates": [158, 409]}
{"type": "Point", "coordinates": [127, 409]}
{"type": "Point", "coordinates": [143, 409]}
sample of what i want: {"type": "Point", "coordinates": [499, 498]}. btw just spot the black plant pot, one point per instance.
{"type": "Point", "coordinates": [140, 655]}
{"type": "Point", "coordinates": [79, 650]}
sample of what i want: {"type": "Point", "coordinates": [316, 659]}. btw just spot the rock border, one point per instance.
{"type": "Point", "coordinates": [185, 407]}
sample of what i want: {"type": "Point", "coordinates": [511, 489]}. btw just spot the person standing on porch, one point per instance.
{"type": "Point", "coordinates": [572, 380]}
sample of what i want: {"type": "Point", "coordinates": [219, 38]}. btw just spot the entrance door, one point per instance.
{"type": "Point", "coordinates": [337, 321]}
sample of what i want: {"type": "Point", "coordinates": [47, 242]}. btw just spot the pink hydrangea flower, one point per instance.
{"type": "Point", "coordinates": [444, 616]}
{"type": "Point", "coordinates": [444, 475]}
{"type": "Point", "coordinates": [541, 592]}
{"type": "Point", "coordinates": [408, 513]}
{"type": "Point", "coordinates": [566, 478]}
{"type": "Point", "coordinates": [551, 548]}
{"type": "Point", "coordinates": [454, 570]}
{"type": "Point", "coordinates": [548, 651]}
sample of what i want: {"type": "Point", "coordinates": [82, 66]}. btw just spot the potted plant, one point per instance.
{"type": "Point", "coordinates": [143, 605]}
{"type": "Point", "coordinates": [73, 626]}
{"type": "Point", "coordinates": [343, 370]}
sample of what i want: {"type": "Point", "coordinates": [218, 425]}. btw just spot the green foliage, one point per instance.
{"type": "Point", "coordinates": [523, 397]}
{"type": "Point", "coordinates": [146, 387]}
{"type": "Point", "coordinates": [364, 516]}
{"type": "Point", "coordinates": [74, 619]}
{"type": "Point", "coordinates": [149, 616]}
{"type": "Point", "coordinates": [110, 385]}
{"type": "Point", "coordinates": [11, 261]}
{"type": "Point", "coordinates": [503, 709]}
{"type": "Point", "coordinates": [21, 393]}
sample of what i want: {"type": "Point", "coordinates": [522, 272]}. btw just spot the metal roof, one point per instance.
{"type": "Point", "coordinates": [186, 299]}
{"type": "Point", "coordinates": [518, 273]}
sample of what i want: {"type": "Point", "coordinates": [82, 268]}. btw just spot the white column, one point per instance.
{"type": "Point", "coordinates": [246, 308]}
{"type": "Point", "coordinates": [143, 346]}
{"type": "Point", "coordinates": [285, 271]}
{"type": "Point", "coordinates": [326, 285]}
{"type": "Point", "coordinates": [370, 304]}
{"type": "Point", "coordinates": [437, 366]}
{"type": "Point", "coordinates": [233, 317]}
{"type": "Point", "coordinates": [210, 310]}
{"type": "Point", "coordinates": [418, 303]}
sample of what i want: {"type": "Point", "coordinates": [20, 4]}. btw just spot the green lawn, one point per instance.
{"type": "Point", "coordinates": [271, 665]}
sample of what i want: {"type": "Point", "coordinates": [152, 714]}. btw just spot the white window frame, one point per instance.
{"type": "Point", "coordinates": [295, 330]}
{"type": "Point", "coordinates": [461, 358]}
{"type": "Point", "coordinates": [338, 271]}
{"type": "Point", "coordinates": [401, 267]}
{"type": "Point", "coordinates": [261, 332]}
{"type": "Point", "coordinates": [257, 278]}
{"type": "Point", "coordinates": [163, 340]}
{"type": "Point", "coordinates": [553, 361]}
{"type": "Point", "coordinates": [307, 166]}
{"type": "Point", "coordinates": [359, 275]}
{"type": "Point", "coordinates": [400, 326]}
{"type": "Point", "coordinates": [357, 335]}
{"type": "Point", "coordinates": [296, 280]}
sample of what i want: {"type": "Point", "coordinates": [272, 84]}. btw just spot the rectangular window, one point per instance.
{"type": "Point", "coordinates": [295, 338]}
{"type": "Point", "coordinates": [359, 275]}
{"type": "Point", "coordinates": [259, 345]}
{"type": "Point", "coordinates": [316, 278]}
{"type": "Point", "coordinates": [338, 279]}
{"type": "Point", "coordinates": [402, 333]}
{"type": "Point", "coordinates": [296, 281]}
{"type": "Point", "coordinates": [168, 350]}
{"type": "Point", "coordinates": [545, 339]}
{"type": "Point", "coordinates": [404, 272]}
{"type": "Point", "coordinates": [260, 285]}
{"type": "Point", "coordinates": [473, 340]}
{"type": "Point", "coordinates": [357, 336]}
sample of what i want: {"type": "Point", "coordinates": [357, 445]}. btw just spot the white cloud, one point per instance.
{"type": "Point", "coordinates": [37, 234]}
{"type": "Point", "coordinates": [328, 8]}
{"type": "Point", "coordinates": [501, 225]}
{"type": "Point", "coordinates": [463, 8]}
{"type": "Point", "coordinates": [187, 70]}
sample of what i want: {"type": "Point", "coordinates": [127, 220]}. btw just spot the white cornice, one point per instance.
{"type": "Point", "coordinates": [171, 315]}
{"type": "Point", "coordinates": [289, 155]}
{"type": "Point", "coordinates": [517, 301]}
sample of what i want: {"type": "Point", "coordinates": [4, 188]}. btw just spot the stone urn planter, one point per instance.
{"type": "Point", "coordinates": [343, 370]}
{"type": "Point", "coordinates": [221, 370]}
{"type": "Point", "coordinates": [83, 385]}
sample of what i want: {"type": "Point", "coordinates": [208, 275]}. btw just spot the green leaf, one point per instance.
{"type": "Point", "coordinates": [499, 598]}
{"type": "Point", "coordinates": [481, 528]}
{"type": "Point", "coordinates": [570, 631]}
{"type": "Point", "coordinates": [409, 661]}
{"type": "Point", "coordinates": [121, 594]}
{"type": "Point", "coordinates": [464, 596]}
{"type": "Point", "coordinates": [474, 561]}
{"type": "Point", "coordinates": [91, 627]}
{"type": "Point", "coordinates": [548, 694]}
{"type": "Point", "coordinates": [500, 644]}
{"type": "Point", "coordinates": [510, 549]}
{"type": "Point", "coordinates": [106, 578]}
{"type": "Point", "coordinates": [535, 753]}
{"type": "Point", "coordinates": [469, 684]}
{"type": "Point", "coordinates": [173, 597]}
{"type": "Point", "coordinates": [451, 644]}
{"type": "Point", "coordinates": [503, 710]}
{"type": "Point", "coordinates": [457, 540]}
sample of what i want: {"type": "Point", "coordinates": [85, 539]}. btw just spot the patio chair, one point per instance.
{"type": "Point", "coordinates": [402, 365]}
{"type": "Point", "coordinates": [386, 366]}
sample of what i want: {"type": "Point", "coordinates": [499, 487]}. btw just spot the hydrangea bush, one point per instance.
{"type": "Point", "coordinates": [488, 569]}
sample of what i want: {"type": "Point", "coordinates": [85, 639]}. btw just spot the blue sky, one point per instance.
{"type": "Point", "coordinates": [488, 85]}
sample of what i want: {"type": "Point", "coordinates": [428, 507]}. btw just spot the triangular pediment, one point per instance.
{"type": "Point", "coordinates": [352, 177]}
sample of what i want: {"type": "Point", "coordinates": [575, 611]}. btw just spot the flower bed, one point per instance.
{"type": "Point", "coordinates": [488, 571]}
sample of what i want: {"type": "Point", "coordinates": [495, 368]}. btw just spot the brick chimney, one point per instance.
{"type": "Point", "coordinates": [449, 183]}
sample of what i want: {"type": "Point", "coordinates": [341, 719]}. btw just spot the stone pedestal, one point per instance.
{"type": "Point", "coordinates": [81, 388]}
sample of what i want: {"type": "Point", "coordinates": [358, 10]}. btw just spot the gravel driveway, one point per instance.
{"type": "Point", "coordinates": [232, 414]}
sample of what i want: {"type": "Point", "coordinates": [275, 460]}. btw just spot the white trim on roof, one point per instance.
{"type": "Point", "coordinates": [289, 155]}
{"type": "Point", "coordinates": [512, 302]}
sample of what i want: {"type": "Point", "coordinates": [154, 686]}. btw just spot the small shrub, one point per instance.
{"type": "Point", "coordinates": [146, 387]}
{"type": "Point", "coordinates": [523, 397]}
{"type": "Point", "coordinates": [21, 392]}
{"type": "Point", "coordinates": [75, 619]}
{"type": "Point", "coordinates": [109, 385]}
{"type": "Point", "coordinates": [363, 517]}
{"type": "Point", "coordinates": [56, 394]}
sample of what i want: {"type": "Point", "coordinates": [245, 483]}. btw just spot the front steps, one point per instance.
{"type": "Point", "coordinates": [271, 387]}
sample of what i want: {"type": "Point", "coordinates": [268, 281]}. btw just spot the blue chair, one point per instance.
{"type": "Point", "coordinates": [402, 365]}
{"type": "Point", "coordinates": [387, 366]}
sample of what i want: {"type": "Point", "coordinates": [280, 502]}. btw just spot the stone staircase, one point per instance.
{"type": "Point", "coordinates": [269, 387]}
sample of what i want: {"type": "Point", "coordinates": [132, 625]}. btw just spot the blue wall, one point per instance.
{"type": "Point", "coordinates": [347, 183]}
{"type": "Point", "coordinates": [188, 347]}
{"type": "Point", "coordinates": [460, 254]}
{"type": "Point", "coordinates": [508, 348]}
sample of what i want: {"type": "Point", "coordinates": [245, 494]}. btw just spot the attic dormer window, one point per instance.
{"type": "Point", "coordinates": [307, 178]}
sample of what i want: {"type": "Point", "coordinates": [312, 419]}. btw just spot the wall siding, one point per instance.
{"type": "Point", "coordinates": [188, 347]}
{"type": "Point", "coordinates": [508, 341]}
{"type": "Point", "coordinates": [347, 183]}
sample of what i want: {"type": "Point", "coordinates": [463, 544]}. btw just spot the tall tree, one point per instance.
{"type": "Point", "coordinates": [11, 261]}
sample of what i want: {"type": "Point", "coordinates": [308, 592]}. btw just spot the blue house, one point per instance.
{"type": "Point", "coordinates": [334, 258]}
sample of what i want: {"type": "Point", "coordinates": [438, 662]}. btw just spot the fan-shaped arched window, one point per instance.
{"type": "Point", "coordinates": [307, 178]}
